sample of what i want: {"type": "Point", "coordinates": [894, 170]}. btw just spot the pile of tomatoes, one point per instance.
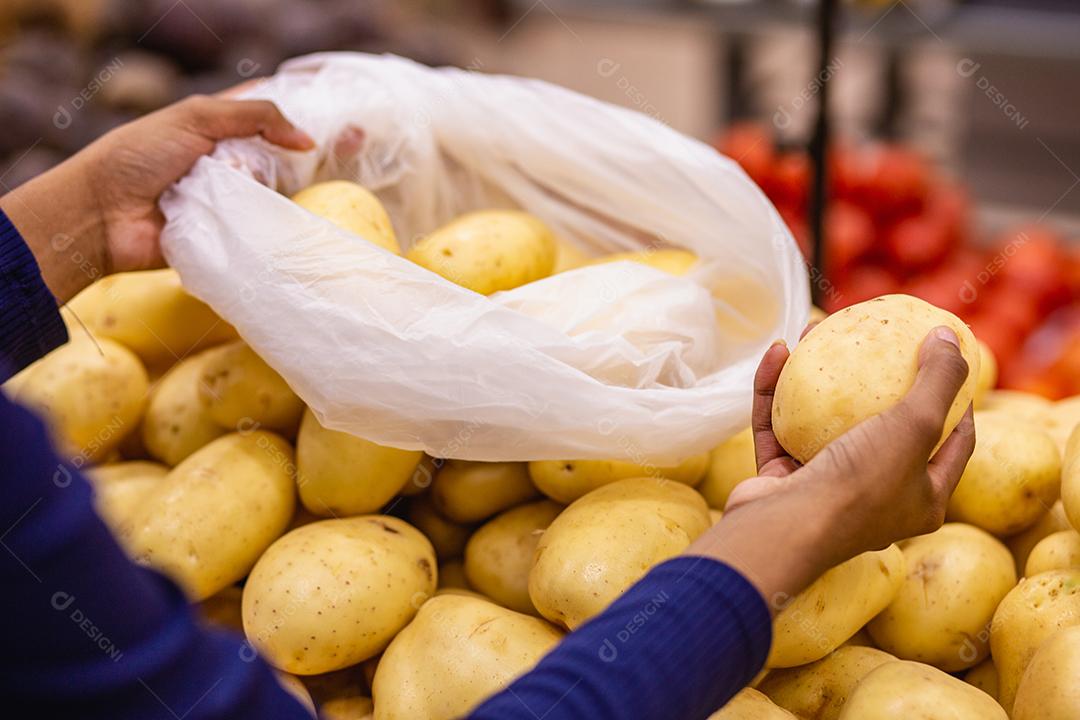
{"type": "Point", "coordinates": [895, 224]}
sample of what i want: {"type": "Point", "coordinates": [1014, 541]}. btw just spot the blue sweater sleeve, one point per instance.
{"type": "Point", "coordinates": [679, 644]}
{"type": "Point", "coordinates": [30, 323]}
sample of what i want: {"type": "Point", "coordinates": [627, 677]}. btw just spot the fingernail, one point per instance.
{"type": "Point", "coordinates": [779, 341]}
{"type": "Point", "coordinates": [945, 333]}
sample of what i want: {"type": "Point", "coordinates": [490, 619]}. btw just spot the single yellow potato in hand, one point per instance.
{"type": "Point", "coordinates": [857, 363]}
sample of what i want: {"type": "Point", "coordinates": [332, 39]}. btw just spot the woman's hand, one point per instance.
{"type": "Point", "coordinates": [97, 212]}
{"type": "Point", "coordinates": [874, 485]}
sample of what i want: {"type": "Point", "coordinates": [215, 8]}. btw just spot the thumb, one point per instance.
{"type": "Point", "coordinates": [942, 372]}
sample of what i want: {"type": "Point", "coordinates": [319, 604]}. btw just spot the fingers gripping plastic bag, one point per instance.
{"type": "Point", "coordinates": [608, 361]}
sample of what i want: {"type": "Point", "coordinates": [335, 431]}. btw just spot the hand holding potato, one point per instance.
{"type": "Point", "coordinates": [875, 484]}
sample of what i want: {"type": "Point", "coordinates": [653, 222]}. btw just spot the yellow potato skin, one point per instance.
{"type": "Point", "coordinates": [91, 399]}
{"type": "Point", "coordinates": [1032, 611]}
{"type": "Point", "coordinates": [223, 609]}
{"type": "Point", "coordinates": [339, 474]}
{"type": "Point", "coordinates": [346, 708]}
{"type": "Point", "coordinates": [568, 257]}
{"type": "Point", "coordinates": [1062, 419]}
{"type": "Point", "coordinates": [1070, 479]}
{"type": "Point", "coordinates": [242, 392]}
{"type": "Point", "coordinates": [1022, 543]}
{"type": "Point", "coordinates": [906, 690]}
{"type": "Point", "coordinates": [985, 677]}
{"type": "Point", "coordinates": [177, 420]}
{"type": "Point", "coordinates": [350, 207]}
{"type": "Point", "coordinates": [466, 492]}
{"type": "Point", "coordinates": [820, 618]}
{"type": "Point", "coordinates": [607, 540]}
{"type": "Point", "coordinates": [212, 516]}
{"type": "Point", "coordinates": [670, 260]}
{"type": "Point", "coordinates": [1012, 478]}
{"type": "Point", "coordinates": [457, 652]}
{"type": "Point", "coordinates": [150, 313]}
{"type": "Point", "coordinates": [452, 575]}
{"type": "Point", "coordinates": [955, 579]}
{"type": "Point", "coordinates": [1049, 688]}
{"type": "Point", "coordinates": [819, 690]}
{"type": "Point", "coordinates": [448, 538]}
{"type": "Point", "coordinates": [1018, 404]}
{"type": "Point", "coordinates": [564, 481]}
{"type": "Point", "coordinates": [333, 593]}
{"type": "Point", "coordinates": [489, 250]}
{"type": "Point", "coordinates": [120, 487]}
{"type": "Point", "coordinates": [499, 555]}
{"type": "Point", "coordinates": [749, 704]}
{"type": "Point", "coordinates": [988, 372]}
{"type": "Point", "coordinates": [1059, 551]}
{"type": "Point", "coordinates": [730, 462]}
{"type": "Point", "coordinates": [857, 363]}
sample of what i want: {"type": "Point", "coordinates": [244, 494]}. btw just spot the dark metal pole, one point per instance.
{"type": "Point", "coordinates": [819, 146]}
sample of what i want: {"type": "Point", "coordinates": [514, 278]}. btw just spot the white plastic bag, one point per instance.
{"type": "Point", "coordinates": [611, 361]}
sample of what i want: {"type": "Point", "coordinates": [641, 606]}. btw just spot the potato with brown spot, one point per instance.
{"type": "Point", "coordinates": [242, 392]}
{"type": "Point", "coordinates": [333, 593]}
{"type": "Point", "coordinates": [1034, 610]}
{"type": "Point", "coordinates": [956, 577]}
{"type": "Point", "coordinates": [177, 420]}
{"type": "Point", "coordinates": [819, 690]}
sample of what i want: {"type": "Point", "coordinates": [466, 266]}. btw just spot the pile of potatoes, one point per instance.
{"type": "Point", "coordinates": [384, 583]}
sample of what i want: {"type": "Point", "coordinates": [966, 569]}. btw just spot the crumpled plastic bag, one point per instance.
{"type": "Point", "coordinates": [616, 361]}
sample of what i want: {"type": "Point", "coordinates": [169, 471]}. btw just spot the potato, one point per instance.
{"type": "Point", "coordinates": [350, 207]}
{"type": "Point", "coordinates": [120, 487]}
{"type": "Point", "coordinates": [565, 481]}
{"type": "Point", "coordinates": [670, 260]}
{"type": "Point", "coordinates": [466, 492]}
{"type": "Point", "coordinates": [1032, 611]}
{"type": "Point", "coordinates": [1011, 479]}
{"type": "Point", "coordinates": [340, 474]}
{"type": "Point", "coordinates": [816, 621]}
{"type": "Point", "coordinates": [857, 363]}
{"type": "Point", "coordinates": [817, 314]}
{"type": "Point", "coordinates": [749, 704]}
{"type": "Point", "coordinates": [956, 577]}
{"type": "Point", "coordinates": [347, 708]}
{"type": "Point", "coordinates": [985, 677]}
{"type": "Point", "coordinates": [1017, 404]}
{"type": "Point", "coordinates": [1070, 479]}
{"type": "Point", "coordinates": [489, 250]}
{"type": "Point", "coordinates": [213, 515]}
{"type": "Point", "coordinates": [715, 516]}
{"type": "Point", "coordinates": [150, 313]}
{"type": "Point", "coordinates": [457, 651]}
{"type": "Point", "coordinates": [1023, 543]}
{"type": "Point", "coordinates": [91, 399]}
{"type": "Point", "coordinates": [819, 690]}
{"type": "Point", "coordinates": [607, 540]}
{"type": "Point", "coordinates": [905, 690]}
{"type": "Point", "coordinates": [731, 462]}
{"type": "Point", "coordinates": [1059, 551]}
{"type": "Point", "coordinates": [177, 420]}
{"type": "Point", "coordinates": [334, 593]}
{"type": "Point", "coordinates": [242, 392]}
{"type": "Point", "coordinates": [1049, 689]}
{"type": "Point", "coordinates": [223, 609]}
{"type": "Point", "coordinates": [447, 537]}
{"type": "Point", "coordinates": [988, 372]}
{"type": "Point", "coordinates": [294, 687]}
{"type": "Point", "coordinates": [499, 555]}
{"type": "Point", "coordinates": [1062, 419]}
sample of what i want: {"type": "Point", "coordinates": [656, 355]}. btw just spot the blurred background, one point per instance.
{"type": "Point", "coordinates": [954, 162]}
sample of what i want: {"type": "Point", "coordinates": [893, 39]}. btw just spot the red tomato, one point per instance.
{"type": "Point", "coordinates": [1016, 309]}
{"type": "Point", "coordinates": [1031, 260]}
{"type": "Point", "coordinates": [898, 181]}
{"type": "Point", "coordinates": [750, 145]}
{"type": "Point", "coordinates": [864, 283]}
{"type": "Point", "coordinates": [949, 203]}
{"type": "Point", "coordinates": [1002, 338]}
{"type": "Point", "coordinates": [918, 242]}
{"type": "Point", "coordinates": [788, 184]}
{"type": "Point", "coordinates": [849, 234]}
{"type": "Point", "coordinates": [799, 229]}
{"type": "Point", "coordinates": [944, 288]}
